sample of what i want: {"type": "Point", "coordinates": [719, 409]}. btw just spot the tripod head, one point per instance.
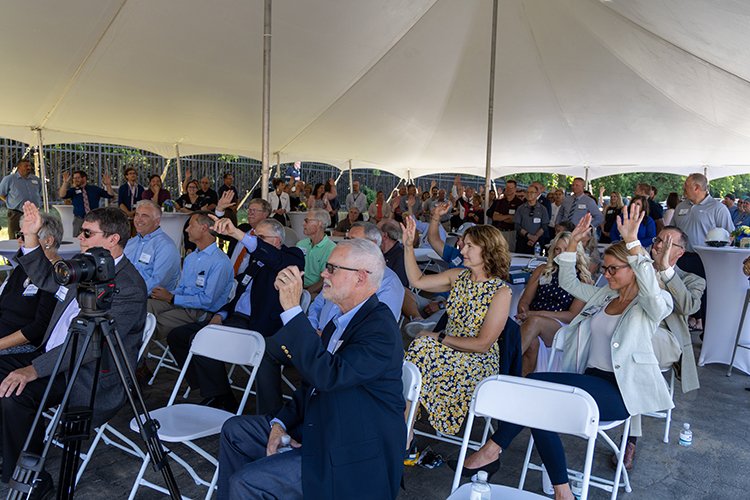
{"type": "Point", "coordinates": [94, 271]}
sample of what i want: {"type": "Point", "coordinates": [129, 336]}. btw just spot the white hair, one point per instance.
{"type": "Point", "coordinates": [369, 255]}
{"type": "Point", "coordinates": [321, 215]}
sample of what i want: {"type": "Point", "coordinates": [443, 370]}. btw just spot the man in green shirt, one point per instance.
{"type": "Point", "coordinates": [317, 247]}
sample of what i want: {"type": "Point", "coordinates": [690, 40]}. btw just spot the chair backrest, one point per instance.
{"type": "Point", "coordinates": [148, 332]}
{"type": "Point", "coordinates": [227, 344]}
{"type": "Point", "coordinates": [575, 411]}
{"type": "Point", "coordinates": [558, 345]}
{"type": "Point", "coordinates": [412, 386]}
{"type": "Point", "coordinates": [290, 237]}
{"type": "Point", "coordinates": [305, 300]}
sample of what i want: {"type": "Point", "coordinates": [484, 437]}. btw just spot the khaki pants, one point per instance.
{"type": "Point", "coordinates": [14, 223]}
{"type": "Point", "coordinates": [169, 316]}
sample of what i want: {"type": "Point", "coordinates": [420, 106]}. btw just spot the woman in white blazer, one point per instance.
{"type": "Point", "coordinates": [608, 350]}
{"type": "Point", "coordinates": [279, 201]}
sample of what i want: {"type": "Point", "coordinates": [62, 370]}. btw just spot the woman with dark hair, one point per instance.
{"type": "Point", "coordinates": [610, 211]}
{"type": "Point", "coordinates": [454, 361]}
{"type": "Point", "coordinates": [25, 310]}
{"type": "Point", "coordinates": [672, 201]}
{"type": "Point", "coordinates": [612, 335]}
{"type": "Point", "coordinates": [647, 229]}
{"type": "Point", "coordinates": [155, 191]}
{"type": "Point", "coordinates": [188, 203]}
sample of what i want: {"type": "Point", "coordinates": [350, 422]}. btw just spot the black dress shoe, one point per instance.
{"type": "Point", "coordinates": [226, 402]}
{"type": "Point", "coordinates": [43, 488]}
{"type": "Point", "coordinates": [489, 468]}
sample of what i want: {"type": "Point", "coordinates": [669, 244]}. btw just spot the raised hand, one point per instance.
{"type": "Point", "coordinates": [226, 227]}
{"type": "Point", "coordinates": [666, 250]}
{"type": "Point", "coordinates": [66, 177]}
{"type": "Point", "coordinates": [289, 284]}
{"type": "Point", "coordinates": [581, 229]}
{"type": "Point", "coordinates": [628, 225]}
{"type": "Point", "coordinates": [107, 180]}
{"type": "Point", "coordinates": [187, 174]}
{"type": "Point", "coordinates": [409, 231]}
{"type": "Point", "coordinates": [441, 209]}
{"type": "Point", "coordinates": [601, 190]}
{"type": "Point", "coordinates": [225, 201]}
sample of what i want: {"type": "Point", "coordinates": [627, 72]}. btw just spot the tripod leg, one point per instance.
{"type": "Point", "coordinates": [148, 427]}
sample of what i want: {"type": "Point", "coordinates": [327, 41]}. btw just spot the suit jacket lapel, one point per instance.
{"type": "Point", "coordinates": [368, 306]}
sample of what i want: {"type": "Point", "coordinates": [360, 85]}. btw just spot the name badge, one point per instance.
{"type": "Point", "coordinates": [30, 290]}
{"type": "Point", "coordinates": [581, 206]}
{"type": "Point", "coordinates": [537, 220]}
{"type": "Point", "coordinates": [61, 293]}
{"type": "Point", "coordinates": [34, 181]}
{"type": "Point", "coordinates": [78, 191]}
{"type": "Point", "coordinates": [457, 261]}
{"type": "Point", "coordinates": [545, 279]}
{"type": "Point", "coordinates": [200, 281]}
{"type": "Point", "coordinates": [683, 211]}
{"type": "Point", "coordinates": [144, 258]}
{"type": "Point", "coordinates": [512, 211]}
{"type": "Point", "coordinates": [188, 205]}
{"type": "Point", "coordinates": [246, 279]}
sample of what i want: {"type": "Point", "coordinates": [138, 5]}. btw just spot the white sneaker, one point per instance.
{"type": "Point", "coordinates": [413, 328]}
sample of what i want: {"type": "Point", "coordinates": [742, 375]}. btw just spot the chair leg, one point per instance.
{"type": "Point", "coordinates": [620, 469]}
{"type": "Point", "coordinates": [668, 417]}
{"type": "Point", "coordinates": [87, 456]}
{"type": "Point", "coordinates": [526, 461]}
{"type": "Point", "coordinates": [138, 479]}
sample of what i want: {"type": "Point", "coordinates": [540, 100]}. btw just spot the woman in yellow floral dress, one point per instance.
{"type": "Point", "coordinates": [453, 362]}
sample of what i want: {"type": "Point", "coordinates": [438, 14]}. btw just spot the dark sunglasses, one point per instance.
{"type": "Point", "coordinates": [87, 233]}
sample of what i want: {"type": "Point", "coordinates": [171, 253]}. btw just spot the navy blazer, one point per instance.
{"type": "Point", "coordinates": [265, 263]}
{"type": "Point", "coordinates": [349, 412]}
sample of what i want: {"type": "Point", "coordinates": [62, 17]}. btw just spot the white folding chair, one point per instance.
{"type": "Point", "coordinates": [412, 382]}
{"type": "Point", "coordinates": [527, 402]}
{"type": "Point", "coordinates": [184, 423]}
{"type": "Point", "coordinates": [613, 486]}
{"type": "Point", "coordinates": [106, 431]}
{"type": "Point", "coordinates": [666, 415]}
{"type": "Point", "coordinates": [290, 237]}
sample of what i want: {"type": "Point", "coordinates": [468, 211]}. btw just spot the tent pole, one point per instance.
{"type": "Point", "coordinates": [390, 196]}
{"type": "Point", "coordinates": [266, 99]}
{"type": "Point", "coordinates": [586, 179]}
{"type": "Point", "coordinates": [705, 171]}
{"type": "Point", "coordinates": [278, 165]}
{"type": "Point", "coordinates": [339, 177]}
{"type": "Point", "coordinates": [179, 168]}
{"type": "Point", "coordinates": [490, 109]}
{"type": "Point", "coordinates": [350, 176]}
{"type": "Point", "coordinates": [42, 168]}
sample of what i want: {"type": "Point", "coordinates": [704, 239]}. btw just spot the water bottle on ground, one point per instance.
{"type": "Point", "coordinates": [576, 485]}
{"type": "Point", "coordinates": [546, 482]}
{"type": "Point", "coordinates": [480, 489]}
{"type": "Point", "coordinates": [537, 249]}
{"type": "Point", "coordinates": [686, 435]}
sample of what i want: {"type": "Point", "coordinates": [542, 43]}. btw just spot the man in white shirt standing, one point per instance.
{"type": "Point", "coordinates": [356, 199]}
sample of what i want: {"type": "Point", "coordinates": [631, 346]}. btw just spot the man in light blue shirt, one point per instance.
{"type": "Point", "coordinates": [578, 204]}
{"type": "Point", "coordinates": [204, 286]}
{"type": "Point", "coordinates": [151, 251]}
{"type": "Point", "coordinates": [390, 293]}
{"type": "Point", "coordinates": [15, 190]}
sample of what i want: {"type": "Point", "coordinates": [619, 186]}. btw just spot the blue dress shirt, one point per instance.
{"type": "Point", "coordinates": [18, 190]}
{"type": "Point", "coordinates": [156, 257]}
{"type": "Point", "coordinates": [390, 293]}
{"type": "Point", "coordinates": [206, 280]}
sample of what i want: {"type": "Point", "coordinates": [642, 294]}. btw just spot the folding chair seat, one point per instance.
{"type": "Point", "coordinates": [575, 413]}
{"type": "Point", "coordinates": [412, 382]}
{"type": "Point", "coordinates": [184, 423]}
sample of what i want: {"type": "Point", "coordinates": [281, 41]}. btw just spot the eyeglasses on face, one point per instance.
{"type": "Point", "coordinates": [87, 233]}
{"type": "Point", "coordinates": [265, 237]}
{"type": "Point", "coordinates": [332, 268]}
{"type": "Point", "coordinates": [612, 270]}
{"type": "Point", "coordinates": [656, 240]}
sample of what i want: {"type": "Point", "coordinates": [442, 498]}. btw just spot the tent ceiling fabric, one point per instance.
{"type": "Point", "coordinates": [398, 85]}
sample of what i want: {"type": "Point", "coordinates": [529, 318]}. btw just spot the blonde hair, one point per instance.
{"type": "Point", "coordinates": [582, 260]}
{"type": "Point", "coordinates": [618, 250]}
{"type": "Point", "coordinates": [619, 203]}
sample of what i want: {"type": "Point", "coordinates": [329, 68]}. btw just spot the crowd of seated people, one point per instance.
{"type": "Point", "coordinates": [347, 347]}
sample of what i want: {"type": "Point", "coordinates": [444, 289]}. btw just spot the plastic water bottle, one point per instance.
{"type": "Point", "coordinates": [285, 444]}
{"type": "Point", "coordinates": [686, 435]}
{"type": "Point", "coordinates": [537, 249]}
{"type": "Point", "coordinates": [480, 490]}
{"type": "Point", "coordinates": [576, 485]}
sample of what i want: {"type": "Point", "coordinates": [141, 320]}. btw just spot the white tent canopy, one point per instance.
{"type": "Point", "coordinates": [399, 85]}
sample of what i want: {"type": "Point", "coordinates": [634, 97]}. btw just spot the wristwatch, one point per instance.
{"type": "Point", "coordinates": [441, 336]}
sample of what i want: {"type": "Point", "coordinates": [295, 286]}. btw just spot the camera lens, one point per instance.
{"type": "Point", "coordinates": [75, 270]}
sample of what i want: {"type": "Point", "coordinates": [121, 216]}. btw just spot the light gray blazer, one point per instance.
{"type": "Point", "coordinates": [636, 369]}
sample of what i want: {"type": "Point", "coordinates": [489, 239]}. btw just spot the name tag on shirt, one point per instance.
{"type": "Point", "coordinates": [246, 279]}
{"type": "Point", "coordinates": [512, 211]}
{"type": "Point", "coordinates": [545, 279]}
{"type": "Point", "coordinates": [144, 258]}
{"type": "Point", "coordinates": [78, 191]}
{"type": "Point", "coordinates": [537, 220]}
{"type": "Point", "coordinates": [30, 290]}
{"type": "Point", "coordinates": [34, 181]}
{"type": "Point", "coordinates": [456, 261]}
{"type": "Point", "coordinates": [61, 293]}
{"type": "Point", "coordinates": [683, 211]}
{"type": "Point", "coordinates": [200, 281]}
{"type": "Point", "coordinates": [582, 206]}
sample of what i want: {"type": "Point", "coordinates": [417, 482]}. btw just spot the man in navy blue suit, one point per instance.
{"type": "Point", "coordinates": [345, 425]}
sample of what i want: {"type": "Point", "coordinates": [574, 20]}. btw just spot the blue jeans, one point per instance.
{"type": "Point", "coordinates": [601, 385]}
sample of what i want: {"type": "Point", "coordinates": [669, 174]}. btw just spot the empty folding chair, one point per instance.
{"type": "Point", "coordinates": [184, 423]}
{"type": "Point", "coordinates": [575, 413]}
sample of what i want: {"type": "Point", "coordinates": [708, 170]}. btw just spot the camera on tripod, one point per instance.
{"type": "Point", "coordinates": [94, 272]}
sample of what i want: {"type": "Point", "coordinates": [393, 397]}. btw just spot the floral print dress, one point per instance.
{"type": "Point", "coordinates": [449, 377]}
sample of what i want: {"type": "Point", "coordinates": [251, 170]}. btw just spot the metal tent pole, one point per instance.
{"type": "Point", "coordinates": [41, 166]}
{"type": "Point", "coordinates": [179, 168]}
{"type": "Point", "coordinates": [490, 109]}
{"type": "Point", "coordinates": [350, 176]}
{"type": "Point", "coordinates": [278, 165]}
{"type": "Point", "coordinates": [266, 98]}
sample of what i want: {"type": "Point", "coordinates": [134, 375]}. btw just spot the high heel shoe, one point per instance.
{"type": "Point", "coordinates": [490, 468]}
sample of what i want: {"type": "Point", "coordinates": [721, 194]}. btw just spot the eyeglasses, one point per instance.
{"type": "Point", "coordinates": [255, 211]}
{"type": "Point", "coordinates": [612, 270]}
{"type": "Point", "coordinates": [656, 240]}
{"type": "Point", "coordinates": [87, 233]}
{"type": "Point", "coordinates": [332, 268]}
{"type": "Point", "coordinates": [266, 237]}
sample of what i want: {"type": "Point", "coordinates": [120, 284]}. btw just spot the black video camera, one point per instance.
{"type": "Point", "coordinates": [94, 272]}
